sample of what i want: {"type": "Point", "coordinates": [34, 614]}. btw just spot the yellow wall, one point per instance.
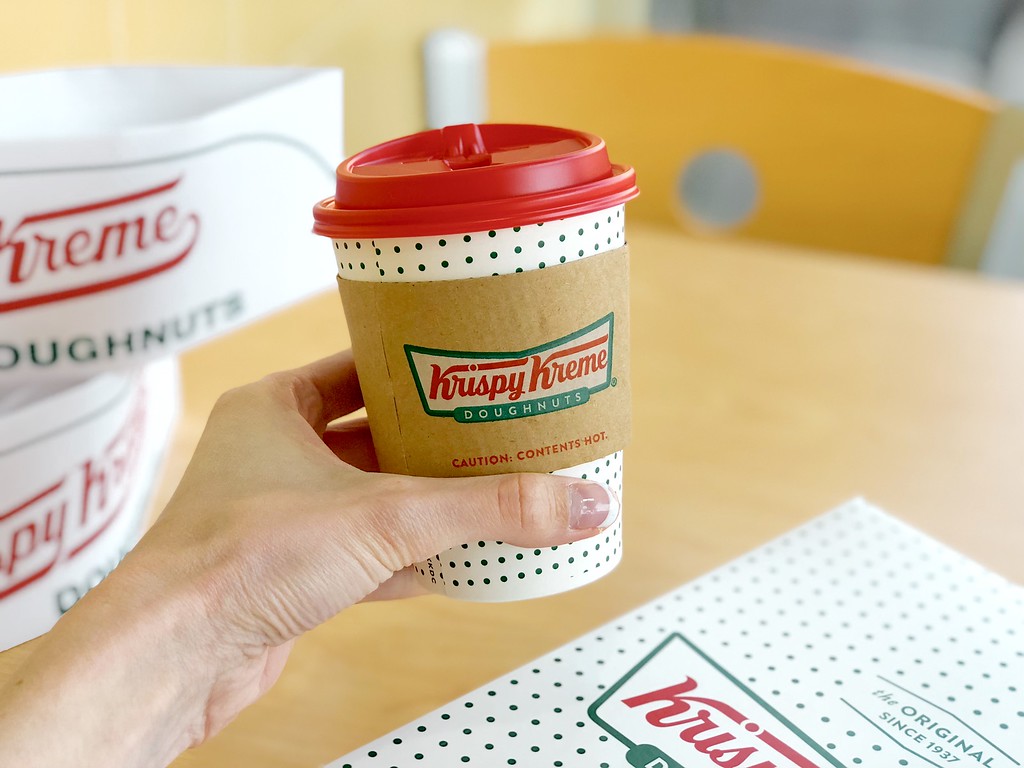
{"type": "Point", "coordinates": [376, 42]}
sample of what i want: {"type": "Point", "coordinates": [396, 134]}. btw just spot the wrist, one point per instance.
{"type": "Point", "coordinates": [121, 671]}
{"type": "Point", "coordinates": [188, 594]}
{"type": "Point", "coordinates": [163, 620]}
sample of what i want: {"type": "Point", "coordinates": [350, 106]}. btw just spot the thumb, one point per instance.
{"type": "Point", "coordinates": [529, 510]}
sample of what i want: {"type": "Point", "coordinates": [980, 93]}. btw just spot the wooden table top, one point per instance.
{"type": "Point", "coordinates": [769, 386]}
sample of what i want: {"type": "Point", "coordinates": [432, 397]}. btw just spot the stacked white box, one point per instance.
{"type": "Point", "coordinates": [143, 211]}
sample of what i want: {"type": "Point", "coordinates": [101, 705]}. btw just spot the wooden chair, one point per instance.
{"type": "Point", "coordinates": [833, 154]}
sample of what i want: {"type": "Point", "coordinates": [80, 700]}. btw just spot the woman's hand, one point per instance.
{"type": "Point", "coordinates": [276, 526]}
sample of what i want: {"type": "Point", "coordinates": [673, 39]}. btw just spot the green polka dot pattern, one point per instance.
{"type": "Point", "coordinates": [481, 254]}
{"type": "Point", "coordinates": [852, 641]}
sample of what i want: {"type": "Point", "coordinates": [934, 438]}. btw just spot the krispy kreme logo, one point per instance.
{"type": "Point", "coordinates": [96, 246]}
{"type": "Point", "coordinates": [677, 708]}
{"type": "Point", "coordinates": [64, 519]}
{"type": "Point", "coordinates": [494, 386]}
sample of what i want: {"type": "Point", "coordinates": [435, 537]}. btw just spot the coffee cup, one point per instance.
{"type": "Point", "coordinates": [484, 275]}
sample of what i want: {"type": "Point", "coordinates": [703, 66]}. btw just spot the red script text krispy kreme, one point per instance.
{"type": "Point", "coordinates": [65, 518]}
{"type": "Point", "coordinates": [679, 707]}
{"type": "Point", "coordinates": [716, 729]}
{"type": "Point", "coordinates": [554, 376]}
{"type": "Point", "coordinates": [96, 246]}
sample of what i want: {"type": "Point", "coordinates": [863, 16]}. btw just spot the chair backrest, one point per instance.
{"type": "Point", "coordinates": [829, 153]}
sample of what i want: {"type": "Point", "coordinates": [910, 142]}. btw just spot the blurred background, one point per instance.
{"type": "Point", "coordinates": [412, 65]}
{"type": "Point", "coordinates": [962, 43]}
{"type": "Point", "coordinates": [977, 44]}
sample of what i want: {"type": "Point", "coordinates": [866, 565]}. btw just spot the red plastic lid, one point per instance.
{"type": "Point", "coordinates": [467, 178]}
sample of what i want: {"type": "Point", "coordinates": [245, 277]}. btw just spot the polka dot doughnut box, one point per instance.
{"type": "Point", "coordinates": [851, 641]}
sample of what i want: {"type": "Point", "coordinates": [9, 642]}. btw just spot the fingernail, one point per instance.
{"type": "Point", "coordinates": [590, 506]}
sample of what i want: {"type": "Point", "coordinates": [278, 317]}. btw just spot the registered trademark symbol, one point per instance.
{"type": "Point", "coordinates": [615, 381]}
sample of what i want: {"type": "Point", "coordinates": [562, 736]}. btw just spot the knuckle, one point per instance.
{"type": "Point", "coordinates": [294, 388]}
{"type": "Point", "coordinates": [283, 384]}
{"type": "Point", "coordinates": [284, 387]}
{"type": "Point", "coordinates": [283, 380]}
{"type": "Point", "coordinates": [231, 399]}
{"type": "Point", "coordinates": [235, 403]}
{"type": "Point", "coordinates": [388, 527]}
{"type": "Point", "coordinates": [528, 502]}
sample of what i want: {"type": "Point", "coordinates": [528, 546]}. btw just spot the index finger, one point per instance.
{"type": "Point", "coordinates": [327, 389]}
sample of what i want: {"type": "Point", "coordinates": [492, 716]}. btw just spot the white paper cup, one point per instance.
{"type": "Point", "coordinates": [481, 570]}
{"type": "Point", "coordinates": [489, 571]}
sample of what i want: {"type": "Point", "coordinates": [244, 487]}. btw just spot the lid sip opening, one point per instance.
{"type": "Point", "coordinates": [464, 147]}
